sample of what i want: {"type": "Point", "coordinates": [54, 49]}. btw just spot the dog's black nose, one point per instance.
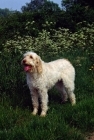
{"type": "Point", "coordinates": [24, 61]}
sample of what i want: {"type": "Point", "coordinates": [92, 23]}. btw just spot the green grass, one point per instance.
{"type": "Point", "coordinates": [63, 122]}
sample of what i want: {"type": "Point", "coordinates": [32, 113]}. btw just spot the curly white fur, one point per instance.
{"type": "Point", "coordinates": [42, 76]}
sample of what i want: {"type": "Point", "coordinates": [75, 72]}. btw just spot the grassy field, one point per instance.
{"type": "Point", "coordinates": [63, 122]}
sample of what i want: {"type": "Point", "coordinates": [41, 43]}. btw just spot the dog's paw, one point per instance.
{"type": "Point", "coordinates": [43, 114]}
{"type": "Point", "coordinates": [34, 111]}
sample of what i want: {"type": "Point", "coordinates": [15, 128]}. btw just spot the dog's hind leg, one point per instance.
{"type": "Point", "coordinates": [69, 86]}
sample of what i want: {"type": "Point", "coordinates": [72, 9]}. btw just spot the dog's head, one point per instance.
{"type": "Point", "coordinates": [32, 62]}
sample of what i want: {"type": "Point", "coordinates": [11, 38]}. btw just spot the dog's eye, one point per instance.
{"type": "Point", "coordinates": [37, 62]}
{"type": "Point", "coordinates": [31, 56]}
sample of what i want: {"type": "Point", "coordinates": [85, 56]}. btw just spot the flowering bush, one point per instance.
{"type": "Point", "coordinates": [54, 42]}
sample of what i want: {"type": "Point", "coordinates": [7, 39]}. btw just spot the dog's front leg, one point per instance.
{"type": "Point", "coordinates": [34, 97]}
{"type": "Point", "coordinates": [44, 102]}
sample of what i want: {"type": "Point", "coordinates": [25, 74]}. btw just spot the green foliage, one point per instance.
{"type": "Point", "coordinates": [5, 12]}
{"type": "Point", "coordinates": [32, 22]}
{"type": "Point", "coordinates": [40, 5]}
{"type": "Point", "coordinates": [84, 3]}
{"type": "Point", "coordinates": [33, 5]}
{"type": "Point", "coordinates": [76, 11]}
{"type": "Point", "coordinates": [54, 42]}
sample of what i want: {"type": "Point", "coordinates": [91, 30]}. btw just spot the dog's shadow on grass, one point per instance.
{"type": "Point", "coordinates": [54, 96]}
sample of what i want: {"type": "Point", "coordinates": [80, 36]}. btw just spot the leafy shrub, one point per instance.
{"type": "Point", "coordinates": [54, 42]}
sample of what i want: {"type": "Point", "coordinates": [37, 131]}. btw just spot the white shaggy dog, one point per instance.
{"type": "Point", "coordinates": [42, 76]}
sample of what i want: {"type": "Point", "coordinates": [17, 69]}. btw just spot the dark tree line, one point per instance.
{"type": "Point", "coordinates": [83, 3]}
{"type": "Point", "coordinates": [5, 12]}
{"type": "Point", "coordinates": [42, 11]}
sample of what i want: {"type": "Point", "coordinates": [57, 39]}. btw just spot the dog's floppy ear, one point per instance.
{"type": "Point", "coordinates": [39, 65]}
